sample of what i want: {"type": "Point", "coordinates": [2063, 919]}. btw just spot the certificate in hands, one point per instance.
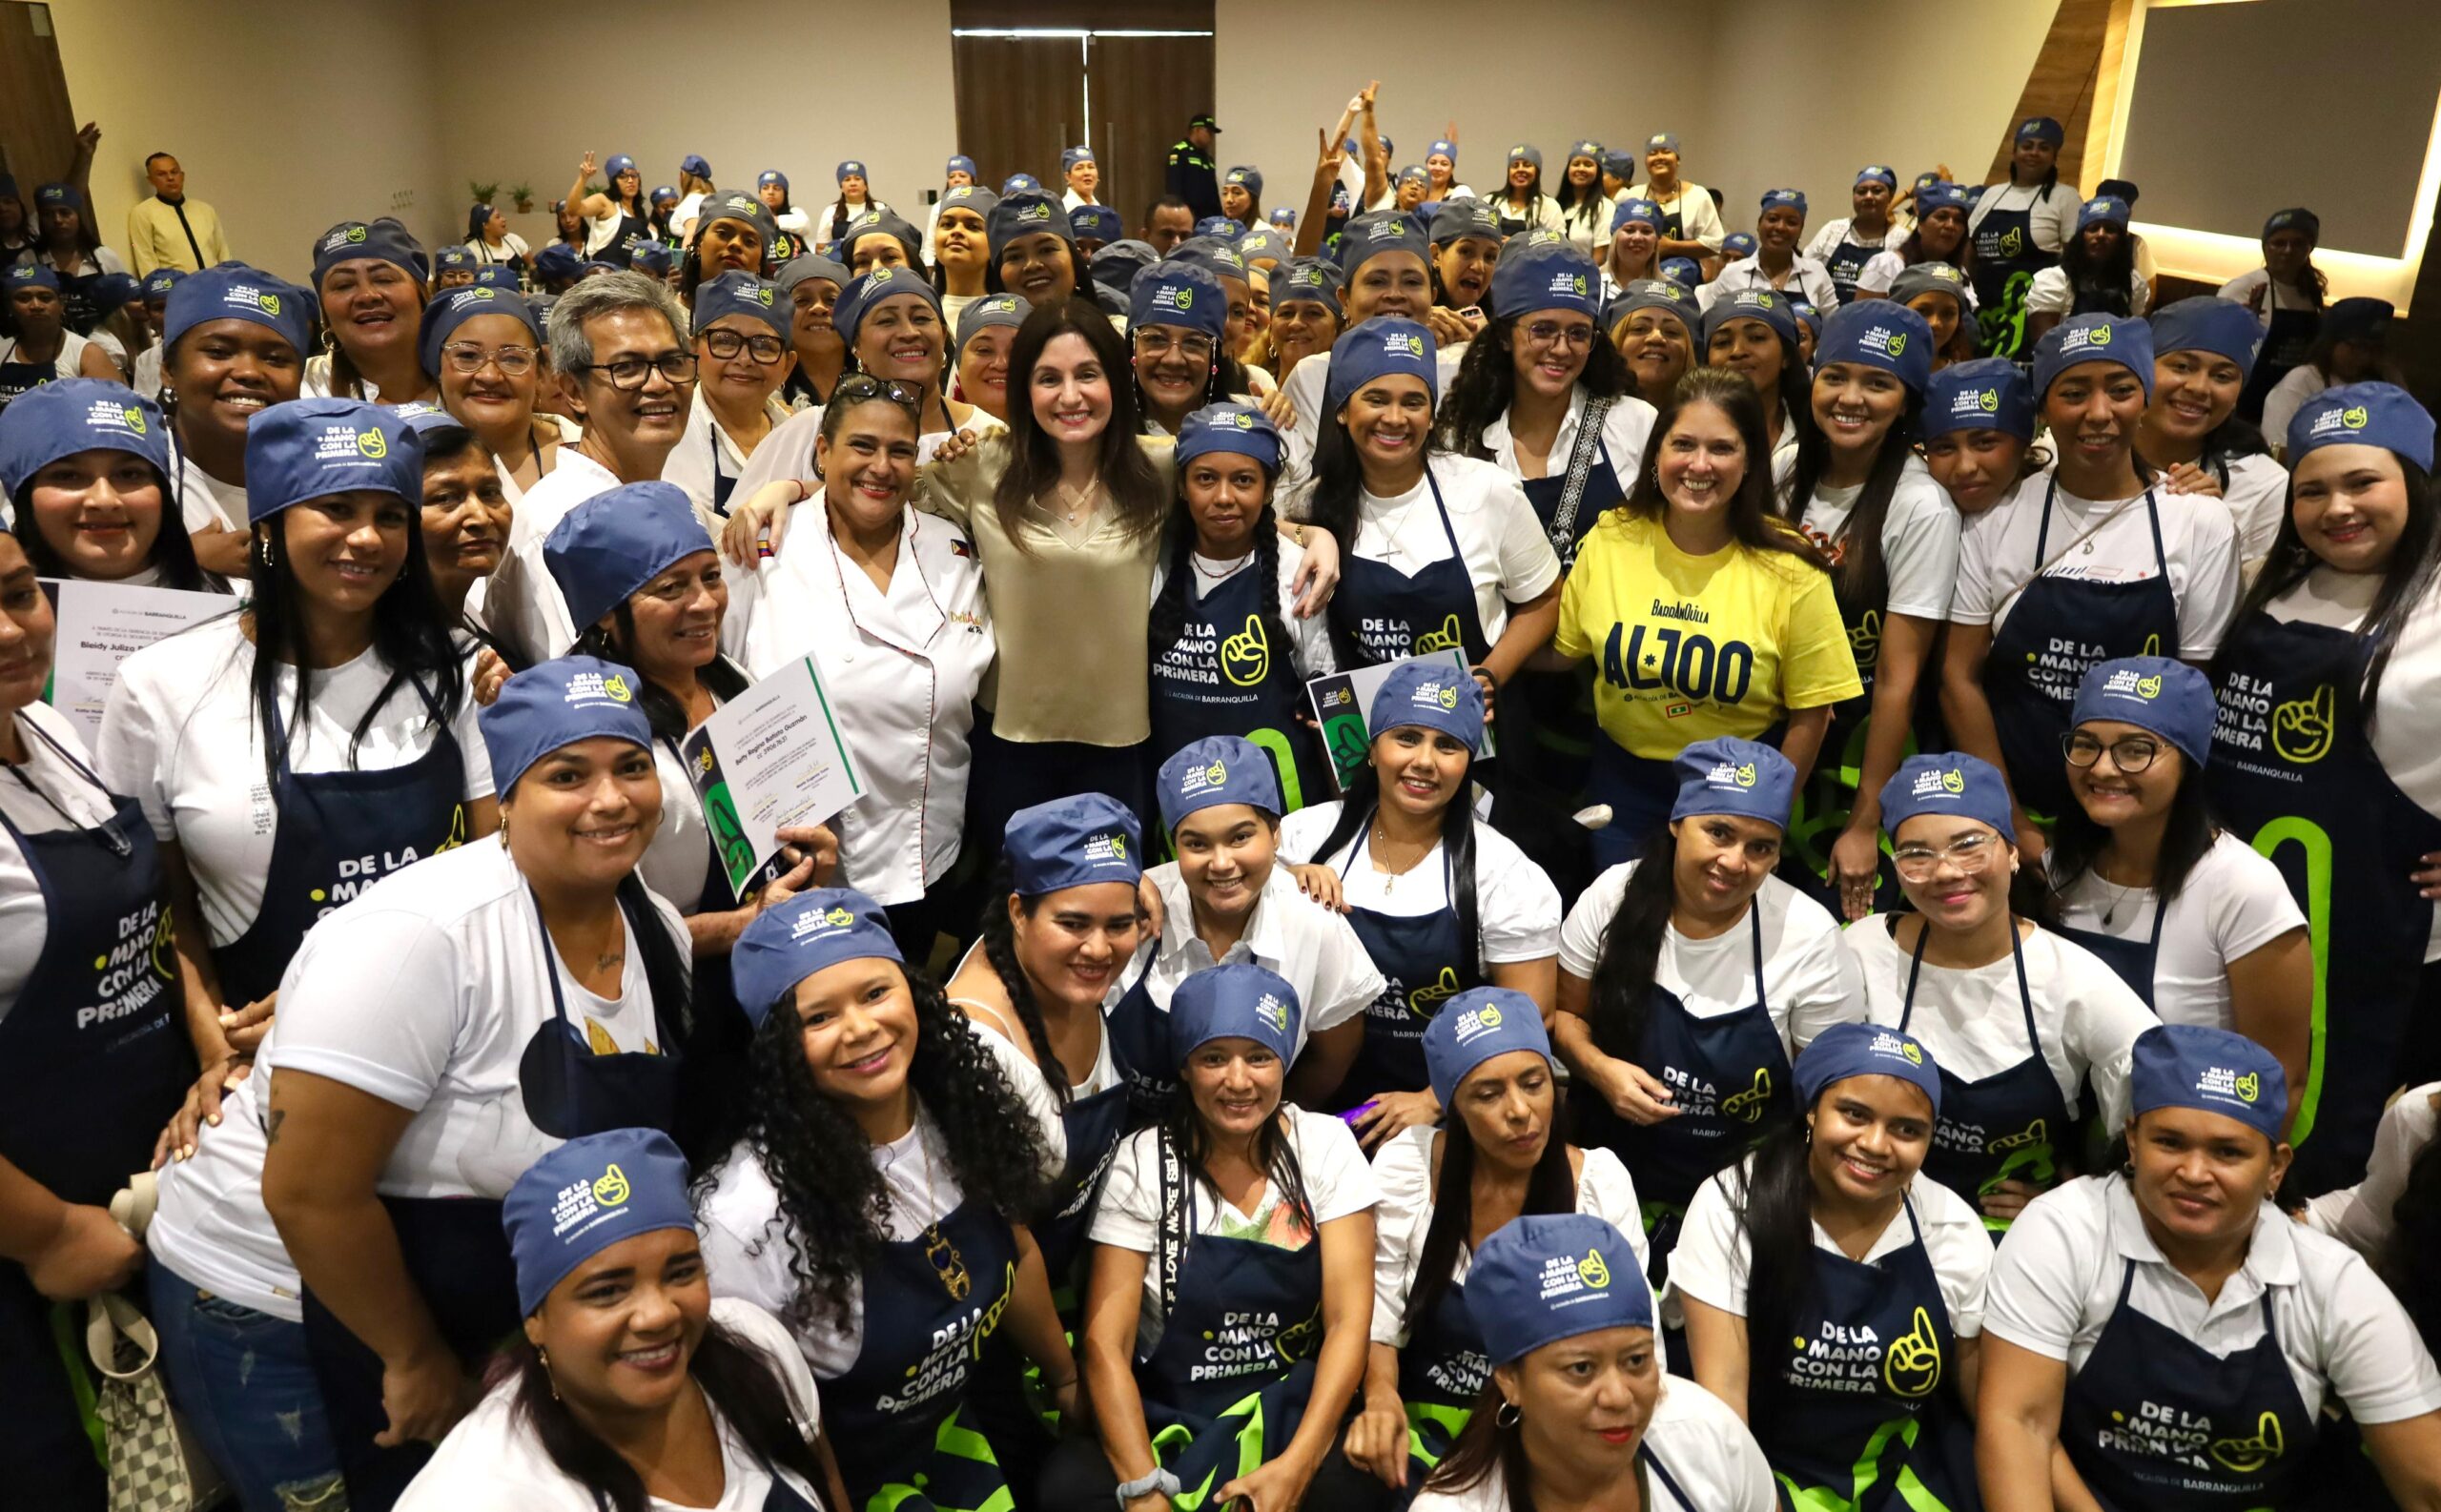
{"type": "Point", "coordinates": [770, 758]}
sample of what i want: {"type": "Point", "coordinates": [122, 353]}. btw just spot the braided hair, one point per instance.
{"type": "Point", "coordinates": [998, 934]}
{"type": "Point", "coordinates": [1169, 616]}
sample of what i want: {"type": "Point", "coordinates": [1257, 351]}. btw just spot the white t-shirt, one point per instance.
{"type": "Point", "coordinates": [1517, 910]}
{"type": "Point", "coordinates": [1973, 1023]}
{"type": "Point", "coordinates": [179, 735]}
{"type": "Point", "coordinates": [25, 921]}
{"type": "Point", "coordinates": [1808, 984]}
{"type": "Point", "coordinates": [523, 605]}
{"type": "Point", "coordinates": [1403, 1171]}
{"type": "Point", "coordinates": [1806, 277]}
{"type": "Point", "coordinates": [682, 215]}
{"type": "Point", "coordinates": [747, 1242]}
{"type": "Point", "coordinates": [1308, 386]}
{"type": "Point", "coordinates": [204, 501]}
{"type": "Point", "coordinates": [678, 858]}
{"type": "Point", "coordinates": [2257, 495]}
{"type": "Point", "coordinates": [2286, 397]}
{"type": "Point", "coordinates": [1883, 268]}
{"type": "Point", "coordinates": [494, 1461]}
{"type": "Point", "coordinates": [2057, 1278]}
{"type": "Point", "coordinates": [147, 374]}
{"type": "Point", "coordinates": [512, 248]}
{"type": "Point", "coordinates": [68, 365]}
{"type": "Point", "coordinates": [2362, 1216]}
{"type": "Point", "coordinates": [1625, 429]}
{"type": "Point", "coordinates": [1338, 1182]}
{"type": "Point", "coordinates": [1309, 639]}
{"type": "Point", "coordinates": [1705, 1446]}
{"type": "Point", "coordinates": [1499, 539]}
{"type": "Point", "coordinates": [1714, 1253]}
{"type": "Point", "coordinates": [1698, 217]}
{"type": "Point", "coordinates": [1995, 559]}
{"type": "Point", "coordinates": [2282, 295]}
{"type": "Point", "coordinates": [1311, 948]}
{"type": "Point", "coordinates": [2052, 293]}
{"type": "Point", "coordinates": [2052, 217]}
{"type": "Point", "coordinates": [1919, 538]}
{"type": "Point", "coordinates": [423, 992]}
{"type": "Point", "coordinates": [2234, 902]}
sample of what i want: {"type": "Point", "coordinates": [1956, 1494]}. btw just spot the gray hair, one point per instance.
{"type": "Point", "coordinates": [607, 294]}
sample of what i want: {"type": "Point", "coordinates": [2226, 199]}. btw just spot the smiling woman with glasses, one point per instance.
{"type": "Point", "coordinates": [484, 348]}
{"type": "Point", "coordinates": [742, 358]}
{"type": "Point", "coordinates": [2017, 1015]}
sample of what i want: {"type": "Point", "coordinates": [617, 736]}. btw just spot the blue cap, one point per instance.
{"type": "Point", "coordinates": [1527, 153]}
{"type": "Point", "coordinates": [1661, 142]}
{"type": "Point", "coordinates": [1434, 695]}
{"type": "Point", "coordinates": [381, 240]}
{"type": "Point", "coordinates": [453, 307]}
{"type": "Point", "coordinates": [1877, 172]}
{"type": "Point", "coordinates": [979, 199]}
{"type": "Point", "coordinates": [2357, 319]}
{"type": "Point", "coordinates": [1308, 280]}
{"type": "Point", "coordinates": [1262, 242]}
{"type": "Point", "coordinates": [606, 549]}
{"type": "Point", "coordinates": [77, 415]}
{"type": "Point", "coordinates": [501, 275]}
{"type": "Point", "coordinates": [1024, 213]}
{"type": "Point", "coordinates": [2158, 693]}
{"type": "Point", "coordinates": [871, 221]}
{"type": "Point", "coordinates": [738, 293]}
{"type": "Point", "coordinates": [2103, 207]}
{"type": "Point", "coordinates": [1933, 278]}
{"type": "Point", "coordinates": [1414, 174]}
{"type": "Point", "coordinates": [1237, 1001]}
{"type": "Point", "coordinates": [847, 168]}
{"type": "Point", "coordinates": [1547, 278]}
{"type": "Point", "coordinates": [789, 941]}
{"type": "Point", "coordinates": [453, 255]}
{"type": "Point", "coordinates": [1284, 217]}
{"type": "Point", "coordinates": [1943, 195]}
{"type": "Point", "coordinates": [1380, 347]}
{"type": "Point", "coordinates": [869, 289]}
{"type": "Point", "coordinates": [1654, 293]}
{"type": "Point", "coordinates": [1096, 223]}
{"type": "Point", "coordinates": [1474, 1027]}
{"type": "Point", "coordinates": [1865, 1050]}
{"type": "Point", "coordinates": [558, 704]}
{"type": "Point", "coordinates": [960, 163]}
{"type": "Point", "coordinates": [693, 163]}
{"type": "Point", "coordinates": [1684, 272]}
{"type": "Point", "coordinates": [1214, 772]}
{"type": "Point", "coordinates": [314, 448]}
{"type": "Point", "coordinates": [1948, 782]}
{"type": "Point", "coordinates": [2041, 128]}
{"type": "Point", "coordinates": [812, 265]}
{"type": "Point", "coordinates": [1725, 775]}
{"type": "Point", "coordinates": [1737, 244]}
{"type": "Point", "coordinates": [1073, 842]}
{"type": "Point", "coordinates": [1465, 218]}
{"type": "Point", "coordinates": [992, 309]}
{"type": "Point", "coordinates": [1766, 305]}
{"type": "Point", "coordinates": [1784, 199]}
{"type": "Point", "coordinates": [557, 263]}
{"type": "Point", "coordinates": [658, 194]}
{"type": "Point", "coordinates": [2207, 323]}
{"type": "Point", "coordinates": [1442, 147]}
{"type": "Point", "coordinates": [1214, 255]}
{"type": "Point", "coordinates": [2094, 339]}
{"type": "Point", "coordinates": [1807, 316]}
{"type": "Point", "coordinates": [1178, 293]}
{"type": "Point", "coordinates": [1240, 430]}
{"type": "Point", "coordinates": [1069, 157]}
{"type": "Point", "coordinates": [51, 196]}
{"type": "Point", "coordinates": [424, 418]}
{"type": "Point", "coordinates": [765, 178]}
{"type": "Point", "coordinates": [1020, 184]}
{"type": "Point", "coordinates": [235, 292]}
{"type": "Point", "coordinates": [2360, 415]}
{"type": "Point", "coordinates": [736, 204]}
{"type": "Point", "coordinates": [1249, 179]}
{"type": "Point", "coordinates": [1987, 392]}
{"type": "Point", "coordinates": [32, 274]}
{"type": "Point", "coordinates": [1546, 1277]}
{"type": "Point", "coordinates": [619, 163]}
{"type": "Point", "coordinates": [158, 283]}
{"type": "Point", "coordinates": [1880, 334]}
{"type": "Point", "coordinates": [1619, 163]}
{"type": "Point", "coordinates": [2297, 216]}
{"type": "Point", "coordinates": [1587, 149]}
{"type": "Point", "coordinates": [1639, 210]}
{"type": "Point", "coordinates": [1224, 227]}
{"type": "Point", "coordinates": [2212, 1070]}
{"type": "Point", "coordinates": [584, 1197]}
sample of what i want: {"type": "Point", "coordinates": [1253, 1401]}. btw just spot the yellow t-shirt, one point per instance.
{"type": "Point", "coordinates": [1685, 647]}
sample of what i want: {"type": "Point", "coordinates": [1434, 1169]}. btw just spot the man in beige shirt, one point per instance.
{"type": "Point", "coordinates": [169, 229]}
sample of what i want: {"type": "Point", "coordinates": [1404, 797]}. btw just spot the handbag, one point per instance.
{"type": "Point", "coordinates": [153, 1462]}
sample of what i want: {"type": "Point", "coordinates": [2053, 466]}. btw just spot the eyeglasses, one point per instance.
{"type": "Point", "coordinates": [1550, 332]}
{"type": "Point", "coordinates": [858, 387]}
{"type": "Point", "coordinates": [1156, 343]}
{"type": "Point", "coordinates": [466, 359]}
{"type": "Point", "coordinates": [726, 345]}
{"type": "Point", "coordinates": [630, 372]}
{"type": "Point", "coordinates": [2129, 753]}
{"type": "Point", "coordinates": [1970, 854]}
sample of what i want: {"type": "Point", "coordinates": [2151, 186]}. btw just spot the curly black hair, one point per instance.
{"type": "Point", "coordinates": [831, 1196]}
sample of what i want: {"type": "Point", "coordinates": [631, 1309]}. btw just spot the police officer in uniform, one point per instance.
{"type": "Point", "coordinates": [1192, 177]}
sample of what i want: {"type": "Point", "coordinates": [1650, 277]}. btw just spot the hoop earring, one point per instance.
{"type": "Point", "coordinates": [1508, 1414]}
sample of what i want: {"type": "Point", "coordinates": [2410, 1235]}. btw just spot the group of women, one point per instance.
{"type": "Point", "coordinates": [1524, 829]}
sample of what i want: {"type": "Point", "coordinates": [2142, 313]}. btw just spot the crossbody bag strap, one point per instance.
{"type": "Point", "coordinates": [1581, 460]}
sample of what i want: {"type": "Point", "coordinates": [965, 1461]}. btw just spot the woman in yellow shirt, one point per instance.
{"type": "Point", "coordinates": [1703, 613]}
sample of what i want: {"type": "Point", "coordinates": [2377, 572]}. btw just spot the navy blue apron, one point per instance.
{"type": "Point", "coordinates": [1226, 1384]}
{"type": "Point", "coordinates": [1859, 1409]}
{"type": "Point", "coordinates": [2293, 774]}
{"type": "Point", "coordinates": [1224, 676]}
{"type": "Point", "coordinates": [2059, 629]}
{"type": "Point", "coordinates": [893, 1420]}
{"type": "Point", "coordinates": [723, 485]}
{"type": "Point", "coordinates": [18, 378]}
{"type": "Point", "coordinates": [1846, 262]}
{"type": "Point", "coordinates": [2004, 1127]}
{"type": "Point", "coordinates": [2006, 260]}
{"type": "Point", "coordinates": [456, 1253]}
{"type": "Point", "coordinates": [79, 311]}
{"type": "Point", "coordinates": [338, 833]}
{"type": "Point", "coordinates": [1829, 799]}
{"type": "Point", "coordinates": [1730, 1076]}
{"type": "Point", "coordinates": [1381, 614]}
{"type": "Point", "coordinates": [2156, 1423]}
{"type": "Point", "coordinates": [1425, 962]}
{"type": "Point", "coordinates": [1443, 1372]}
{"type": "Point", "coordinates": [2286, 342]}
{"type": "Point", "coordinates": [1140, 1046]}
{"type": "Point", "coordinates": [2132, 959]}
{"type": "Point", "coordinates": [102, 1061]}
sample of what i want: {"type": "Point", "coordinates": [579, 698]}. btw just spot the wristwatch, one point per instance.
{"type": "Point", "coordinates": [1160, 1479]}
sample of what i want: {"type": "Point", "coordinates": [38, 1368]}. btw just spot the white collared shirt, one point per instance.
{"type": "Point", "coordinates": [523, 605]}
{"type": "Point", "coordinates": [900, 669]}
{"type": "Point", "coordinates": [1624, 430]}
{"type": "Point", "coordinates": [2055, 1286]}
{"type": "Point", "coordinates": [1308, 946]}
{"type": "Point", "coordinates": [1807, 278]}
{"type": "Point", "coordinates": [691, 465]}
{"type": "Point", "coordinates": [1707, 1448]}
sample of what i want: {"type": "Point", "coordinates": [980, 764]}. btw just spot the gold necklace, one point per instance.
{"type": "Point", "coordinates": [948, 1265]}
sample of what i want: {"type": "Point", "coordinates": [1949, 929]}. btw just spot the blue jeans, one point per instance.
{"type": "Point", "coordinates": [242, 1380]}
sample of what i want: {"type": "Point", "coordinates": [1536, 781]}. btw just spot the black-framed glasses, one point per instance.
{"type": "Point", "coordinates": [857, 387]}
{"type": "Point", "coordinates": [1552, 333]}
{"type": "Point", "coordinates": [2129, 753]}
{"type": "Point", "coordinates": [631, 372]}
{"type": "Point", "coordinates": [1156, 343]}
{"type": "Point", "coordinates": [466, 359]}
{"type": "Point", "coordinates": [726, 345]}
